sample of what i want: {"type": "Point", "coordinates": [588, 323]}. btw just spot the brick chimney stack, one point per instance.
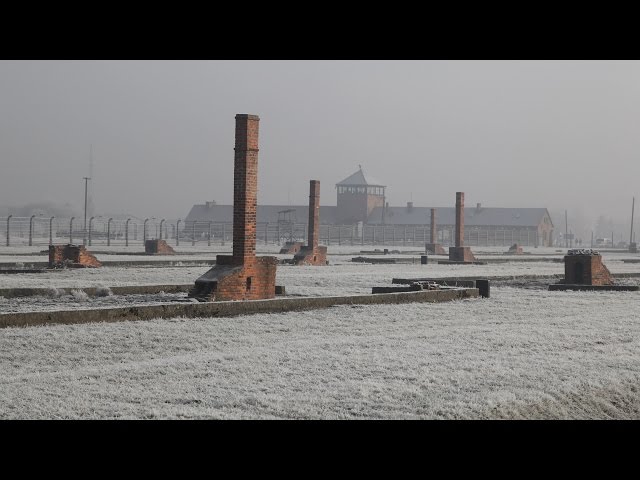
{"type": "Point", "coordinates": [433, 226]}
{"type": "Point", "coordinates": [459, 219]}
{"type": "Point", "coordinates": [245, 188]}
{"type": "Point", "coordinates": [314, 214]}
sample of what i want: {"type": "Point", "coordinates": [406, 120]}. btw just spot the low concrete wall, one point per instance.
{"type": "Point", "coordinates": [91, 291]}
{"type": "Point", "coordinates": [226, 309]}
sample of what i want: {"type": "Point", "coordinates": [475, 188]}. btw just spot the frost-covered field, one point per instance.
{"type": "Point", "coordinates": [519, 354]}
{"type": "Point", "coordinates": [341, 274]}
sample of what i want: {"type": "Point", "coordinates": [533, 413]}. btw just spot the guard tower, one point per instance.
{"type": "Point", "coordinates": [358, 195]}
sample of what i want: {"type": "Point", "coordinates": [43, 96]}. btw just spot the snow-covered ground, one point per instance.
{"type": "Point", "coordinates": [519, 354]}
{"type": "Point", "coordinates": [341, 276]}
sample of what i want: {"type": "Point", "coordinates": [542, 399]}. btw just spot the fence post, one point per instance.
{"type": "Point", "coordinates": [71, 230]}
{"type": "Point", "coordinates": [362, 233]}
{"type": "Point", "coordinates": [193, 234]}
{"type": "Point", "coordinates": [144, 231]}
{"type": "Point", "coordinates": [161, 222]}
{"type": "Point", "coordinates": [31, 230]}
{"type": "Point", "coordinates": [109, 232]}
{"type": "Point", "coordinates": [224, 234]}
{"type": "Point", "coordinates": [266, 233]}
{"type": "Point", "coordinates": [209, 238]}
{"type": "Point", "coordinates": [126, 232]}
{"type": "Point", "coordinates": [178, 232]}
{"type": "Point", "coordinates": [51, 230]}
{"type": "Point", "coordinates": [8, 230]}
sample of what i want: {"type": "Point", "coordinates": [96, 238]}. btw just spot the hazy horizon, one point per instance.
{"type": "Point", "coordinates": [554, 134]}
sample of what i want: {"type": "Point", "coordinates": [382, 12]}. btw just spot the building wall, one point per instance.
{"type": "Point", "coordinates": [356, 207]}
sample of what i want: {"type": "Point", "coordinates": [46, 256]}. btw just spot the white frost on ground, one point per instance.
{"type": "Point", "coordinates": [519, 354]}
{"type": "Point", "coordinates": [342, 276]}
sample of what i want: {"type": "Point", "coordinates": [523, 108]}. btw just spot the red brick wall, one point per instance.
{"type": "Point", "coordinates": [245, 190]}
{"type": "Point", "coordinates": [158, 247]}
{"type": "Point", "coordinates": [75, 254]}
{"type": "Point", "coordinates": [461, 254]}
{"type": "Point", "coordinates": [586, 270]}
{"type": "Point", "coordinates": [261, 271]}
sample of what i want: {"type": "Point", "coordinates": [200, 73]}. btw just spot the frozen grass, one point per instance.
{"type": "Point", "coordinates": [519, 354]}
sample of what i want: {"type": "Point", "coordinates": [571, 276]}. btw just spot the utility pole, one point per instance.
{"type": "Point", "coordinates": [84, 235]}
{"type": "Point", "coordinates": [633, 204]}
{"type": "Point", "coordinates": [566, 229]}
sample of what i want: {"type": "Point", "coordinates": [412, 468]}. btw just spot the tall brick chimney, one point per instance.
{"type": "Point", "coordinates": [459, 219]}
{"type": "Point", "coordinates": [245, 188]}
{"type": "Point", "coordinates": [459, 253]}
{"type": "Point", "coordinates": [312, 253]}
{"type": "Point", "coordinates": [242, 275]}
{"type": "Point", "coordinates": [314, 213]}
{"type": "Point", "coordinates": [433, 226]}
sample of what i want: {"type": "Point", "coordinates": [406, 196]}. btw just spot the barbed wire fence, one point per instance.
{"type": "Point", "coordinates": [42, 231]}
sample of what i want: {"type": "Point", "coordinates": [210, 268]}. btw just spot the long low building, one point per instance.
{"type": "Point", "coordinates": [363, 216]}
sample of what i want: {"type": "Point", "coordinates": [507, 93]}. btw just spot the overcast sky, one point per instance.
{"type": "Point", "coordinates": [555, 134]}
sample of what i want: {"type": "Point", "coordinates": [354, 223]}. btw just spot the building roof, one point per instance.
{"type": "Point", "coordinates": [509, 217]}
{"type": "Point", "coordinates": [506, 217]}
{"type": "Point", "coordinates": [264, 213]}
{"type": "Point", "coordinates": [360, 178]}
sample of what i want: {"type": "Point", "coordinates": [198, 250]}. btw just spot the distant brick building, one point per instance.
{"type": "Point", "coordinates": [361, 203]}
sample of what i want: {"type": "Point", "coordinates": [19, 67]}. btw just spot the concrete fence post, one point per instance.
{"type": "Point", "coordinates": [126, 232]}
{"type": "Point", "coordinates": [31, 230]}
{"type": "Point", "coordinates": [51, 230]}
{"type": "Point", "coordinates": [144, 231]}
{"type": "Point", "coordinates": [193, 234]}
{"type": "Point", "coordinates": [8, 228]}
{"type": "Point", "coordinates": [161, 224]}
{"type": "Point", "coordinates": [224, 234]}
{"type": "Point", "coordinates": [178, 232]}
{"type": "Point", "coordinates": [71, 230]}
{"type": "Point", "coordinates": [109, 232]}
{"type": "Point", "coordinates": [209, 237]}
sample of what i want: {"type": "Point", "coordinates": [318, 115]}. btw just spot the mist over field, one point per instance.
{"type": "Point", "coordinates": [554, 134]}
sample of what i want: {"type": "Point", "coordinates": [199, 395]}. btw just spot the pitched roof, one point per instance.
{"type": "Point", "coordinates": [360, 178]}
{"type": "Point", "coordinates": [264, 213]}
{"type": "Point", "coordinates": [509, 217]}
{"type": "Point", "coordinates": [485, 216]}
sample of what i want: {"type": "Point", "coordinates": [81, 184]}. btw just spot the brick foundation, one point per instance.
{"type": "Point", "coordinates": [434, 249]}
{"type": "Point", "coordinates": [158, 247]}
{"type": "Point", "coordinates": [515, 249]}
{"type": "Point", "coordinates": [242, 275]}
{"type": "Point", "coordinates": [291, 247]}
{"type": "Point", "coordinates": [312, 254]}
{"type": "Point", "coordinates": [71, 256]}
{"type": "Point", "coordinates": [254, 280]}
{"type": "Point", "coordinates": [586, 270]}
{"type": "Point", "coordinates": [461, 254]}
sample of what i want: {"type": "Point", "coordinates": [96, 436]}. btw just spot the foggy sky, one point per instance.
{"type": "Point", "coordinates": [555, 134]}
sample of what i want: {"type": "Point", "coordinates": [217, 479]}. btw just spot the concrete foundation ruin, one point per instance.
{"type": "Point", "coordinates": [460, 253]}
{"type": "Point", "coordinates": [313, 254]}
{"type": "Point", "coordinates": [433, 247]}
{"type": "Point", "coordinates": [158, 247]}
{"type": "Point", "coordinates": [71, 256]}
{"type": "Point", "coordinates": [242, 275]}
